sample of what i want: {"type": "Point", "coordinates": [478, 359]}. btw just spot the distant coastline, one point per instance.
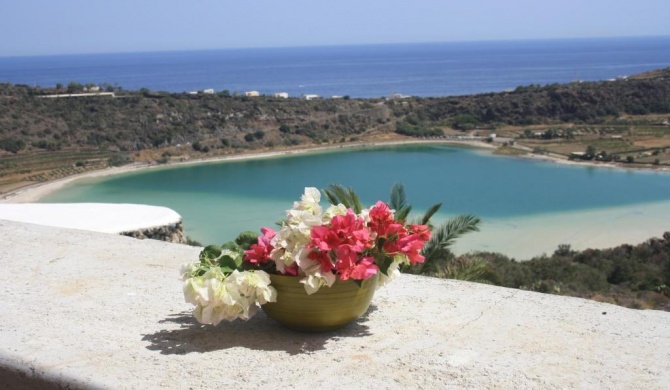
{"type": "Point", "coordinates": [367, 71]}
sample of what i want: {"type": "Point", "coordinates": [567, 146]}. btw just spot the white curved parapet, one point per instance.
{"type": "Point", "coordinates": [97, 217]}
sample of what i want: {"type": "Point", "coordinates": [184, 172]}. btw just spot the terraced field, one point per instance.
{"type": "Point", "coordinates": [29, 168]}
{"type": "Point", "coordinates": [646, 143]}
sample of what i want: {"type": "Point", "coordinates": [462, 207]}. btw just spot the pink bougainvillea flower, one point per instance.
{"type": "Point", "coordinates": [409, 243]}
{"type": "Point", "coordinates": [422, 230]}
{"type": "Point", "coordinates": [411, 246]}
{"type": "Point", "coordinates": [323, 259]}
{"type": "Point", "coordinates": [380, 211]}
{"type": "Point", "coordinates": [365, 269]}
{"type": "Point", "coordinates": [291, 270]}
{"type": "Point", "coordinates": [260, 253]}
{"type": "Point", "coordinates": [343, 230]}
{"type": "Point", "coordinates": [324, 238]}
{"type": "Point", "coordinates": [382, 222]}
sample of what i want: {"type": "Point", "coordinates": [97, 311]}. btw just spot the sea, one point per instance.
{"type": "Point", "coordinates": [528, 207]}
{"type": "Point", "coordinates": [419, 69]}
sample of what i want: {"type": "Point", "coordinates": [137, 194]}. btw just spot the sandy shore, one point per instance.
{"type": "Point", "coordinates": [562, 160]}
{"type": "Point", "coordinates": [36, 192]}
{"type": "Point", "coordinates": [528, 236]}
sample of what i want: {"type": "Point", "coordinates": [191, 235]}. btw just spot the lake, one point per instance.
{"type": "Point", "coordinates": [528, 206]}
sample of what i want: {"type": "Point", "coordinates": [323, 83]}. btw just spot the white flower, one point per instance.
{"type": "Point", "coordinates": [309, 201]}
{"type": "Point", "coordinates": [314, 278]}
{"type": "Point", "coordinates": [254, 285]}
{"type": "Point", "coordinates": [317, 280]}
{"type": "Point", "coordinates": [365, 214]}
{"type": "Point", "coordinates": [292, 237]}
{"type": "Point", "coordinates": [188, 270]}
{"type": "Point", "coordinates": [217, 303]}
{"type": "Point", "coordinates": [332, 211]}
{"type": "Point", "coordinates": [214, 314]}
{"type": "Point", "coordinates": [303, 221]}
{"type": "Point", "coordinates": [391, 273]}
{"type": "Point", "coordinates": [195, 291]}
{"type": "Point", "coordinates": [219, 298]}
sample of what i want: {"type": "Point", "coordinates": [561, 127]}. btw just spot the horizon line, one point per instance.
{"type": "Point", "coordinates": [335, 45]}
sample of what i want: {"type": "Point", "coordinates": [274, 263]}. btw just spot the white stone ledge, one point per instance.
{"type": "Point", "coordinates": [97, 217]}
{"type": "Point", "coordinates": [91, 310]}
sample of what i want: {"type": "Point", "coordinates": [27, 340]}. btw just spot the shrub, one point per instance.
{"type": "Point", "coordinates": [117, 160]}
{"type": "Point", "coordinates": [12, 145]}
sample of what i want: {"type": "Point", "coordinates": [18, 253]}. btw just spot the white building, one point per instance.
{"type": "Point", "coordinates": [209, 91]}
{"type": "Point", "coordinates": [252, 93]}
{"type": "Point", "coordinates": [398, 96]}
{"type": "Point", "coordinates": [310, 96]}
{"type": "Point", "coordinates": [282, 95]}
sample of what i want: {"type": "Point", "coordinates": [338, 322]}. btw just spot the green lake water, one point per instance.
{"type": "Point", "coordinates": [218, 200]}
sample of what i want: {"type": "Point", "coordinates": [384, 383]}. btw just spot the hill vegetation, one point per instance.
{"type": "Point", "coordinates": [85, 132]}
{"type": "Point", "coordinates": [636, 276]}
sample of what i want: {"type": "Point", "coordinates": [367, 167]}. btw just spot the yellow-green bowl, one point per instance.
{"type": "Point", "coordinates": [326, 310]}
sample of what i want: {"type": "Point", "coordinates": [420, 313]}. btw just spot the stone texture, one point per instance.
{"type": "Point", "coordinates": [170, 233]}
{"type": "Point", "coordinates": [90, 310]}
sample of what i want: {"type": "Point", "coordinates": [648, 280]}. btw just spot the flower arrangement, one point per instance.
{"type": "Point", "coordinates": [318, 246]}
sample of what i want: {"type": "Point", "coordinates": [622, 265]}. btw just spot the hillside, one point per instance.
{"type": "Point", "coordinates": [42, 138]}
{"type": "Point", "coordinates": [635, 276]}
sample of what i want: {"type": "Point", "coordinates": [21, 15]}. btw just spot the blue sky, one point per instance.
{"type": "Point", "coordinates": [43, 27]}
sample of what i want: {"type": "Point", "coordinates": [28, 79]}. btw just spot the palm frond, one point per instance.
{"type": "Point", "coordinates": [398, 202]}
{"type": "Point", "coordinates": [397, 198]}
{"type": "Point", "coordinates": [429, 214]}
{"type": "Point", "coordinates": [401, 215]}
{"type": "Point", "coordinates": [337, 193]}
{"type": "Point", "coordinates": [436, 251]}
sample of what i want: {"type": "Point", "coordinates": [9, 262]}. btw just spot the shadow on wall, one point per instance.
{"type": "Point", "coordinates": [258, 333]}
{"type": "Point", "coordinates": [30, 377]}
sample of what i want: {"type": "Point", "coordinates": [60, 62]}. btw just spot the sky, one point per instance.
{"type": "Point", "coordinates": [45, 27]}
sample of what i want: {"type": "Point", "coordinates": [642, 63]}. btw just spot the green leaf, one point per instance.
{"type": "Point", "coordinates": [227, 262]}
{"type": "Point", "coordinates": [246, 239]}
{"type": "Point", "coordinates": [210, 253]}
{"type": "Point", "coordinates": [231, 255]}
{"type": "Point", "coordinates": [384, 264]}
{"type": "Point", "coordinates": [230, 245]}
